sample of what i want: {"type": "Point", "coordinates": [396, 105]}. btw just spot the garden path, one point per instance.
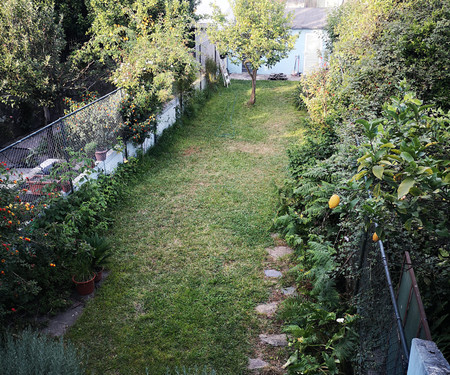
{"type": "Point", "coordinates": [190, 242]}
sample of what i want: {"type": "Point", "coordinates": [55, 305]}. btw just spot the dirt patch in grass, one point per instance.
{"type": "Point", "coordinates": [252, 148]}
{"type": "Point", "coordinates": [191, 151]}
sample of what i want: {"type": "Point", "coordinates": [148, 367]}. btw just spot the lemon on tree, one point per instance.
{"type": "Point", "coordinates": [334, 201]}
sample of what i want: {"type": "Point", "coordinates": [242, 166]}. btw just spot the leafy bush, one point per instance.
{"type": "Point", "coordinates": [38, 259]}
{"type": "Point", "coordinates": [139, 119]}
{"type": "Point", "coordinates": [31, 353]}
{"type": "Point", "coordinates": [402, 147]}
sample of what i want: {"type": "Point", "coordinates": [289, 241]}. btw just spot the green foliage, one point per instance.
{"type": "Point", "coordinates": [406, 165]}
{"type": "Point", "coordinates": [258, 35]}
{"type": "Point", "coordinates": [159, 55]}
{"type": "Point", "coordinates": [211, 72]}
{"type": "Point", "coordinates": [138, 119]}
{"type": "Point", "coordinates": [100, 123]}
{"type": "Point", "coordinates": [38, 259]}
{"type": "Point", "coordinates": [321, 341]}
{"type": "Point", "coordinates": [31, 353]}
{"type": "Point", "coordinates": [101, 250]}
{"type": "Point", "coordinates": [31, 42]}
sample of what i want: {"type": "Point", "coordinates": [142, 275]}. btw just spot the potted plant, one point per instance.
{"type": "Point", "coordinates": [37, 184]}
{"type": "Point", "coordinates": [90, 148]}
{"type": "Point", "coordinates": [101, 251]}
{"type": "Point", "coordinates": [97, 150]}
{"type": "Point", "coordinates": [83, 273]}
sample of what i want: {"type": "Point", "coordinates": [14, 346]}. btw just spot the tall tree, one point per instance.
{"type": "Point", "coordinates": [156, 61]}
{"type": "Point", "coordinates": [31, 42]}
{"type": "Point", "coordinates": [259, 34]}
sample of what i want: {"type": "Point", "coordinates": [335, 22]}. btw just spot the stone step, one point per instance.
{"type": "Point", "coordinates": [273, 273]}
{"type": "Point", "coordinates": [274, 340]}
{"type": "Point", "coordinates": [289, 291]}
{"type": "Point", "coordinates": [278, 252]}
{"type": "Point", "coordinates": [256, 363]}
{"type": "Point", "coordinates": [267, 309]}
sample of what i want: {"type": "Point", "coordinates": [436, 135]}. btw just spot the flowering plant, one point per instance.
{"type": "Point", "coordinates": [138, 119]}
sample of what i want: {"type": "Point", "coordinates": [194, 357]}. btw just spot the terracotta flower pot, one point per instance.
{"type": "Point", "coordinates": [99, 274]}
{"type": "Point", "coordinates": [36, 185]}
{"type": "Point", "coordinates": [100, 155]}
{"type": "Point", "coordinates": [66, 186]}
{"type": "Point", "coordinates": [84, 287]}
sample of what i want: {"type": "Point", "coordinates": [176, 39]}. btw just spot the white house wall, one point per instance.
{"type": "Point", "coordinates": [305, 47]}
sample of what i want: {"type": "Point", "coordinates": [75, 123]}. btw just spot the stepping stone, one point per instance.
{"type": "Point", "coordinates": [289, 291]}
{"type": "Point", "coordinates": [267, 309]}
{"type": "Point", "coordinates": [274, 236]}
{"type": "Point", "coordinates": [279, 252]}
{"type": "Point", "coordinates": [274, 340]}
{"type": "Point", "coordinates": [273, 273]}
{"type": "Point", "coordinates": [256, 363]}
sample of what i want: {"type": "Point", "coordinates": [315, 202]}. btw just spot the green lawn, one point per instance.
{"type": "Point", "coordinates": [190, 241]}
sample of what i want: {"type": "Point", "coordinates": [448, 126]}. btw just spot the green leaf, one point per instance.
{"type": "Point", "coordinates": [378, 171]}
{"type": "Point", "coordinates": [423, 170]}
{"type": "Point", "coordinates": [377, 190]}
{"type": "Point", "coordinates": [292, 359]}
{"type": "Point", "coordinates": [390, 145]}
{"type": "Point", "coordinates": [406, 156]}
{"type": "Point", "coordinates": [358, 176]}
{"type": "Point", "coordinates": [367, 155]}
{"type": "Point", "coordinates": [405, 186]}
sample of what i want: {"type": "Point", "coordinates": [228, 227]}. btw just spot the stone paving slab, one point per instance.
{"type": "Point", "coordinates": [279, 251]}
{"type": "Point", "coordinates": [289, 291]}
{"type": "Point", "coordinates": [58, 325]}
{"type": "Point", "coordinates": [274, 340]}
{"type": "Point", "coordinates": [267, 309]}
{"type": "Point", "coordinates": [256, 363]}
{"type": "Point", "coordinates": [273, 273]}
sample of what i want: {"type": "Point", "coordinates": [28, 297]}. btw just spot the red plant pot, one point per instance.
{"type": "Point", "coordinates": [84, 287]}
{"type": "Point", "coordinates": [100, 155]}
{"type": "Point", "coordinates": [66, 187]}
{"type": "Point", "coordinates": [98, 274]}
{"type": "Point", "coordinates": [36, 185]}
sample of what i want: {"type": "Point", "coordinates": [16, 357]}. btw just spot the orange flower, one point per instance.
{"type": "Point", "coordinates": [27, 239]}
{"type": "Point", "coordinates": [52, 265]}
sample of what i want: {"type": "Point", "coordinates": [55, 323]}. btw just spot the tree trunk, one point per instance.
{"type": "Point", "coordinates": [253, 76]}
{"type": "Point", "coordinates": [46, 115]}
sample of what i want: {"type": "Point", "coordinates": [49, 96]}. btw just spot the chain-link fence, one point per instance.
{"type": "Point", "coordinates": [382, 351]}
{"type": "Point", "coordinates": [51, 154]}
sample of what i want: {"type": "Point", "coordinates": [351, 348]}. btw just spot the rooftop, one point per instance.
{"type": "Point", "coordinates": [309, 18]}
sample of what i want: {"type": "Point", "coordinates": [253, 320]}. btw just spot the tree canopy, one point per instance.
{"type": "Point", "coordinates": [259, 34]}
{"type": "Point", "coordinates": [31, 42]}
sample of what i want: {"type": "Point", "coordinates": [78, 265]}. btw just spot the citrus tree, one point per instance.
{"type": "Point", "coordinates": [31, 42]}
{"type": "Point", "coordinates": [259, 34]}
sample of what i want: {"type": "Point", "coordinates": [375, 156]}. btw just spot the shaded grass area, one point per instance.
{"type": "Point", "coordinates": [190, 241]}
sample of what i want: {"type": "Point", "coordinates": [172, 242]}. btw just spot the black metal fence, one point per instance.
{"type": "Point", "coordinates": [90, 132]}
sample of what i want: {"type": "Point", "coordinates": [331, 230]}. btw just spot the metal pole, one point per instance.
{"type": "Point", "coordinates": [394, 301]}
{"type": "Point", "coordinates": [391, 291]}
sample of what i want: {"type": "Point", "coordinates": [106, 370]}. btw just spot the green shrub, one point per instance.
{"type": "Point", "coordinates": [32, 354]}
